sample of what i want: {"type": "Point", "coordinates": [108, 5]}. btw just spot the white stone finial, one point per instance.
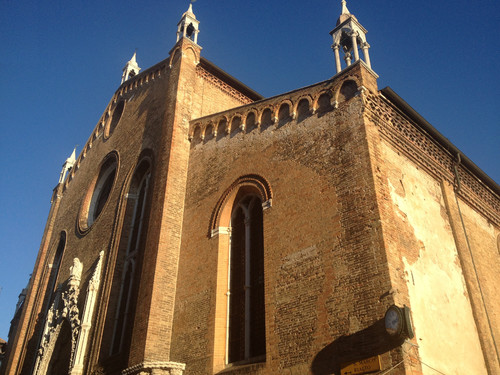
{"type": "Point", "coordinates": [188, 26]}
{"type": "Point", "coordinates": [68, 164]}
{"type": "Point", "coordinates": [72, 158]}
{"type": "Point", "coordinates": [133, 60]}
{"type": "Point", "coordinates": [344, 7]}
{"type": "Point", "coordinates": [131, 68]}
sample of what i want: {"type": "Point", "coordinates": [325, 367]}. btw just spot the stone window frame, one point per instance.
{"type": "Point", "coordinates": [132, 257]}
{"type": "Point", "coordinates": [220, 231]}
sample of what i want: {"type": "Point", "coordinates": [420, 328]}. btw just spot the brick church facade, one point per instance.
{"type": "Point", "coordinates": [204, 229]}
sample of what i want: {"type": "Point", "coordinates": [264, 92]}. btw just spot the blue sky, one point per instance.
{"type": "Point", "coordinates": [61, 62]}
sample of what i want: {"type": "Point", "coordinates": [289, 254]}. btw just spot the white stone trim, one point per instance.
{"type": "Point", "coordinates": [267, 204]}
{"type": "Point", "coordinates": [88, 313]}
{"type": "Point", "coordinates": [220, 230]}
{"type": "Point", "coordinates": [170, 368]}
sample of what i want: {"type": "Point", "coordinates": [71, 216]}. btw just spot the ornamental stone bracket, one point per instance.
{"type": "Point", "coordinates": [156, 368]}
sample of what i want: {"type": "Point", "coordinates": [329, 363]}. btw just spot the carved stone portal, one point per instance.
{"type": "Point", "coordinates": [64, 309]}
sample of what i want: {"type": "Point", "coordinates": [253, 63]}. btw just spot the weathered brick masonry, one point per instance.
{"type": "Point", "coordinates": [361, 203]}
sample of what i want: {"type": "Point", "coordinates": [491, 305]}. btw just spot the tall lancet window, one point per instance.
{"type": "Point", "coordinates": [247, 338]}
{"type": "Point", "coordinates": [54, 270]}
{"type": "Point", "coordinates": [131, 248]}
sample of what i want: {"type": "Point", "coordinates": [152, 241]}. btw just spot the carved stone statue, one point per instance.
{"type": "Point", "coordinates": [75, 273]}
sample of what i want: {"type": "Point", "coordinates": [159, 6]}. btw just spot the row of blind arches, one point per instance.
{"type": "Point", "coordinates": [268, 116]}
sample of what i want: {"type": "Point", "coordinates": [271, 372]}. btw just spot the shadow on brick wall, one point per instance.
{"type": "Point", "coordinates": [364, 344]}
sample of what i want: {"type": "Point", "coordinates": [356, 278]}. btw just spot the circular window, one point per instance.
{"type": "Point", "coordinates": [98, 193]}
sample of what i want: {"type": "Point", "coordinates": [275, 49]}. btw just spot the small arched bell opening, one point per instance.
{"type": "Point", "coordinates": [190, 31]}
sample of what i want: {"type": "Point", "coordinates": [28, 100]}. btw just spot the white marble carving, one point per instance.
{"type": "Point", "coordinates": [88, 313]}
{"type": "Point", "coordinates": [65, 307]}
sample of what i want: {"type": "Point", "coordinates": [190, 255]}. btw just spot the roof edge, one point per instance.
{"type": "Point", "coordinates": [400, 103]}
{"type": "Point", "coordinates": [229, 79]}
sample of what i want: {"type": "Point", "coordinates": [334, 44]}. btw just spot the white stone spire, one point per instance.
{"type": "Point", "coordinates": [344, 7]}
{"type": "Point", "coordinates": [188, 26]}
{"type": "Point", "coordinates": [349, 36]}
{"type": "Point", "coordinates": [68, 164]}
{"type": "Point", "coordinates": [131, 68]}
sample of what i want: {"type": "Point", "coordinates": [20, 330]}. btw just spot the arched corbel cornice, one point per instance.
{"type": "Point", "coordinates": [233, 118]}
{"type": "Point", "coordinates": [347, 80]}
{"type": "Point", "coordinates": [290, 108]}
{"type": "Point", "coordinates": [193, 130]}
{"type": "Point", "coordinates": [328, 92]}
{"type": "Point", "coordinates": [220, 120]}
{"type": "Point", "coordinates": [272, 108]}
{"type": "Point", "coordinates": [206, 129]}
{"type": "Point", "coordinates": [307, 97]}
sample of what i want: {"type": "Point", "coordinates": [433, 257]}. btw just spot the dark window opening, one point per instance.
{"type": "Point", "coordinates": [247, 338]}
{"type": "Point", "coordinates": [132, 261]}
{"type": "Point", "coordinates": [104, 193]}
{"type": "Point", "coordinates": [190, 31]}
{"type": "Point", "coordinates": [118, 112]}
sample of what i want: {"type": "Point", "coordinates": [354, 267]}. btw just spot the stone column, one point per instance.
{"type": "Point", "coordinates": [366, 46]}
{"type": "Point", "coordinates": [335, 48]}
{"type": "Point", "coordinates": [354, 37]}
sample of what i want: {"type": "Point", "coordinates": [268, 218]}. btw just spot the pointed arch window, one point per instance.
{"type": "Point", "coordinates": [237, 224]}
{"type": "Point", "coordinates": [134, 238]}
{"type": "Point", "coordinates": [246, 336]}
{"type": "Point", "coordinates": [54, 270]}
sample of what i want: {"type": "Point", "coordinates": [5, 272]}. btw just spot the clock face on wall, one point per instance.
{"type": "Point", "coordinates": [394, 321]}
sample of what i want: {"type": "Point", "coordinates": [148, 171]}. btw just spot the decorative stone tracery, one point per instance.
{"type": "Point", "coordinates": [65, 309]}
